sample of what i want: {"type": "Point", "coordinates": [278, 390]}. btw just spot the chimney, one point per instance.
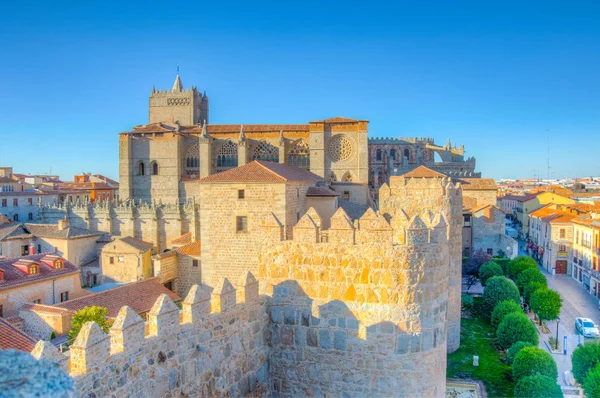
{"type": "Point", "coordinates": [63, 224]}
{"type": "Point", "coordinates": [31, 250]}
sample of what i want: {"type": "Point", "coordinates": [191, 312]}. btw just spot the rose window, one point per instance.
{"type": "Point", "coordinates": [340, 148]}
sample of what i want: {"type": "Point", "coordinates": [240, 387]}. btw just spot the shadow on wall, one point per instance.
{"type": "Point", "coordinates": [324, 349]}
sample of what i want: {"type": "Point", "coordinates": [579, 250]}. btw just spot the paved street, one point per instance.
{"type": "Point", "coordinates": [576, 303]}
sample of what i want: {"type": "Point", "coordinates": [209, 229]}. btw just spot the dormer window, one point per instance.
{"type": "Point", "coordinates": [1, 277]}
{"type": "Point", "coordinates": [33, 269]}
{"type": "Point", "coordinates": [58, 264]}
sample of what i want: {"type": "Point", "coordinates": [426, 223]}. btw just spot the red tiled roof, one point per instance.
{"type": "Point", "coordinates": [85, 185]}
{"type": "Point", "coordinates": [183, 239]}
{"type": "Point", "coordinates": [321, 191]}
{"type": "Point", "coordinates": [13, 338]}
{"type": "Point", "coordinates": [109, 180]}
{"type": "Point", "coordinates": [261, 171]}
{"type": "Point", "coordinates": [339, 119]}
{"type": "Point", "coordinates": [140, 296]}
{"type": "Point", "coordinates": [423, 172]}
{"type": "Point", "coordinates": [192, 249]}
{"type": "Point", "coordinates": [219, 128]}
{"type": "Point", "coordinates": [478, 184]}
{"type": "Point", "coordinates": [49, 309]}
{"type": "Point", "coordinates": [13, 277]}
{"type": "Point", "coordinates": [136, 243]}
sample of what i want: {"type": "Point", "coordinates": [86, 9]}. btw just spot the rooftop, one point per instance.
{"type": "Point", "coordinates": [140, 296]}
{"type": "Point", "coordinates": [321, 192]}
{"type": "Point", "coordinates": [478, 184]}
{"type": "Point", "coordinates": [136, 243]}
{"type": "Point", "coordinates": [53, 231]}
{"type": "Point", "coordinates": [13, 338]}
{"type": "Point", "coordinates": [192, 249]}
{"type": "Point", "coordinates": [262, 171]}
{"type": "Point", "coordinates": [423, 172]}
{"type": "Point", "coordinates": [183, 239]}
{"type": "Point", "coordinates": [14, 277]}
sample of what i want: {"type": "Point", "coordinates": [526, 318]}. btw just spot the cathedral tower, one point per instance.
{"type": "Point", "coordinates": [187, 107]}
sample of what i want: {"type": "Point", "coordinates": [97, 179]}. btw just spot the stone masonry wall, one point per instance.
{"type": "Point", "coordinates": [215, 346]}
{"type": "Point", "coordinates": [358, 320]}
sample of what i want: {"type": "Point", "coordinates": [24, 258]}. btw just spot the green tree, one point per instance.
{"type": "Point", "coordinates": [89, 314]}
{"type": "Point", "coordinates": [528, 276]}
{"type": "Point", "coordinates": [468, 304]}
{"type": "Point", "coordinates": [514, 349]}
{"type": "Point", "coordinates": [497, 289]}
{"type": "Point", "coordinates": [545, 303]}
{"type": "Point", "coordinates": [519, 264]}
{"type": "Point", "coordinates": [532, 287]}
{"type": "Point", "coordinates": [516, 327]}
{"type": "Point", "coordinates": [538, 386]}
{"type": "Point", "coordinates": [502, 309]}
{"type": "Point", "coordinates": [503, 263]}
{"type": "Point", "coordinates": [591, 383]}
{"type": "Point", "coordinates": [531, 361]}
{"type": "Point", "coordinates": [488, 270]}
{"type": "Point", "coordinates": [585, 357]}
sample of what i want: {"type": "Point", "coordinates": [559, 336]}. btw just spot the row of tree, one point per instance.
{"type": "Point", "coordinates": [586, 368]}
{"type": "Point", "coordinates": [533, 369]}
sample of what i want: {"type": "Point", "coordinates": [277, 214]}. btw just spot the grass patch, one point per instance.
{"type": "Point", "coordinates": [477, 338]}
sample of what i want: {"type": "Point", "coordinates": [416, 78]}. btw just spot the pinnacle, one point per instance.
{"type": "Point", "coordinates": [177, 86]}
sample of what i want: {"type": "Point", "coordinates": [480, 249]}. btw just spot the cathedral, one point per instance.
{"type": "Point", "coordinates": [163, 160]}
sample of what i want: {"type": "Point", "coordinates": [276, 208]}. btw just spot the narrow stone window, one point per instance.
{"type": "Point", "coordinates": [241, 224]}
{"type": "Point", "coordinates": [154, 167]}
{"type": "Point", "coordinates": [111, 260]}
{"type": "Point", "coordinates": [141, 169]}
{"type": "Point", "coordinates": [241, 194]}
{"type": "Point", "coordinates": [195, 263]}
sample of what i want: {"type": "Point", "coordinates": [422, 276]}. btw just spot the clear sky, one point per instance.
{"type": "Point", "coordinates": [493, 76]}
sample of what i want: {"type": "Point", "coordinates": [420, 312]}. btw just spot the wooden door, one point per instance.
{"type": "Point", "coordinates": [561, 266]}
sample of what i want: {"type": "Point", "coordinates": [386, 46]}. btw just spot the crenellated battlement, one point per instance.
{"type": "Point", "coordinates": [399, 140]}
{"type": "Point", "coordinates": [214, 345]}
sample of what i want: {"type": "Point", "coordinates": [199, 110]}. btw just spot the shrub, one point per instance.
{"type": "Point", "coordinates": [591, 383]}
{"type": "Point", "coordinates": [545, 303]}
{"type": "Point", "coordinates": [531, 361]}
{"type": "Point", "coordinates": [468, 304]}
{"type": "Point", "coordinates": [530, 275]}
{"type": "Point", "coordinates": [489, 270]}
{"type": "Point", "coordinates": [585, 358]}
{"type": "Point", "coordinates": [532, 287]}
{"type": "Point", "coordinates": [497, 289]}
{"type": "Point", "coordinates": [538, 386]}
{"type": "Point", "coordinates": [89, 314]}
{"type": "Point", "coordinates": [514, 349]}
{"type": "Point", "coordinates": [516, 327]}
{"type": "Point", "coordinates": [502, 309]}
{"type": "Point", "coordinates": [519, 264]}
{"type": "Point", "coordinates": [503, 263]}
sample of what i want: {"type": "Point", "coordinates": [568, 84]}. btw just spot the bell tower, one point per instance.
{"type": "Point", "coordinates": [186, 106]}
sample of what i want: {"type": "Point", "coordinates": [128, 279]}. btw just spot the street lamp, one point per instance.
{"type": "Point", "coordinates": [556, 342]}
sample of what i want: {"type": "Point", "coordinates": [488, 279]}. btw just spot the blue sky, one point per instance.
{"type": "Point", "coordinates": [493, 76]}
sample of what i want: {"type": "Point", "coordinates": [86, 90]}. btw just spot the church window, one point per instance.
{"type": "Point", "coordinates": [227, 157]}
{"type": "Point", "coordinates": [332, 177]}
{"type": "Point", "coordinates": [266, 151]}
{"type": "Point", "coordinates": [154, 167]}
{"type": "Point", "coordinates": [192, 160]}
{"type": "Point", "coordinates": [141, 169]}
{"type": "Point", "coordinates": [299, 155]}
{"type": "Point", "coordinates": [393, 154]}
{"type": "Point", "coordinates": [378, 154]}
{"type": "Point", "coordinates": [406, 153]}
{"type": "Point", "coordinates": [347, 177]}
{"type": "Point", "coordinates": [241, 194]}
{"type": "Point", "coordinates": [241, 224]}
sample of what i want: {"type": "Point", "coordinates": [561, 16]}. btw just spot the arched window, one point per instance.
{"type": "Point", "coordinates": [347, 177]}
{"type": "Point", "coordinates": [265, 151]}
{"type": "Point", "coordinates": [332, 177]}
{"type": "Point", "coordinates": [154, 168]}
{"type": "Point", "coordinates": [299, 155]}
{"type": "Point", "coordinates": [378, 154]}
{"type": "Point", "coordinates": [30, 216]}
{"type": "Point", "coordinates": [380, 178]}
{"type": "Point", "coordinates": [406, 153]}
{"type": "Point", "coordinates": [192, 160]}
{"type": "Point", "coordinates": [393, 154]}
{"type": "Point", "coordinates": [227, 157]}
{"type": "Point", "coordinates": [141, 169]}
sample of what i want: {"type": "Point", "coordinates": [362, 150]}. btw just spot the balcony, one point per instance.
{"type": "Point", "coordinates": [562, 254]}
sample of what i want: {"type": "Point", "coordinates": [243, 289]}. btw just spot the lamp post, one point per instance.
{"type": "Point", "coordinates": [556, 343]}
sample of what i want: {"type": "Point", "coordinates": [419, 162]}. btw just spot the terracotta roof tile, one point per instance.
{"type": "Point", "coordinates": [261, 171]}
{"type": "Point", "coordinates": [13, 338]}
{"type": "Point", "coordinates": [192, 249]}
{"type": "Point", "coordinates": [423, 172]}
{"type": "Point", "coordinates": [48, 309]}
{"type": "Point", "coordinates": [140, 296]}
{"type": "Point", "coordinates": [14, 277]}
{"type": "Point", "coordinates": [478, 184]}
{"type": "Point", "coordinates": [339, 119]}
{"type": "Point", "coordinates": [183, 239]}
{"type": "Point", "coordinates": [52, 231]}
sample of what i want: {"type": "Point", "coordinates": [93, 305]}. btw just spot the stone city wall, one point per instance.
{"type": "Point", "coordinates": [358, 319]}
{"type": "Point", "coordinates": [215, 346]}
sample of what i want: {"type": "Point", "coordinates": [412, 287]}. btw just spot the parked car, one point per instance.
{"type": "Point", "coordinates": [586, 327]}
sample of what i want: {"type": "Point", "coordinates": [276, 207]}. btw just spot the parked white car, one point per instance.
{"type": "Point", "coordinates": [586, 327]}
